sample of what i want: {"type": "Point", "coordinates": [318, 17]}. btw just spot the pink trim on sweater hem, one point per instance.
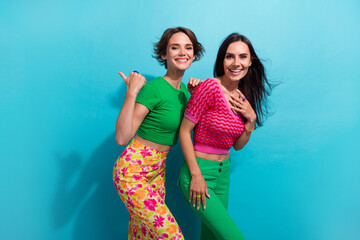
{"type": "Point", "coordinates": [211, 150]}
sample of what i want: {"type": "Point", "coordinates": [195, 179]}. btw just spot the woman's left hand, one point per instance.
{"type": "Point", "coordinates": [242, 105]}
{"type": "Point", "coordinates": [193, 82]}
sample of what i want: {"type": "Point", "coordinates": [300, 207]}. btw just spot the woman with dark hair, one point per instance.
{"type": "Point", "coordinates": [155, 115]}
{"type": "Point", "coordinates": [222, 111]}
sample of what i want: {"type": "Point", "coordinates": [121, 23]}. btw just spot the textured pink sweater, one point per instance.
{"type": "Point", "coordinates": [217, 127]}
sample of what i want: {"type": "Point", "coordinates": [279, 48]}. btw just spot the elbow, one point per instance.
{"type": "Point", "coordinates": [121, 141]}
{"type": "Point", "coordinates": [237, 148]}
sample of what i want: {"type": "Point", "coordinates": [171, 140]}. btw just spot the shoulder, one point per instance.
{"type": "Point", "coordinates": [155, 82]}
{"type": "Point", "coordinates": [209, 84]}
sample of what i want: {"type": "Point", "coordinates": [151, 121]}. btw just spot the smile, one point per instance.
{"type": "Point", "coordinates": [182, 60]}
{"type": "Point", "coordinates": [235, 71]}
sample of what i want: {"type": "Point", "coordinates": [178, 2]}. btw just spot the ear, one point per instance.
{"type": "Point", "coordinates": [163, 57]}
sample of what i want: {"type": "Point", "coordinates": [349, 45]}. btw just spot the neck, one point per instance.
{"type": "Point", "coordinates": [174, 77]}
{"type": "Point", "coordinates": [231, 86]}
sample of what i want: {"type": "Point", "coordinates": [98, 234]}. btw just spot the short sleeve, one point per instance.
{"type": "Point", "coordinates": [201, 100]}
{"type": "Point", "coordinates": [148, 96]}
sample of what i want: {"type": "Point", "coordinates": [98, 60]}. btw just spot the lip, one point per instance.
{"type": "Point", "coordinates": [181, 60]}
{"type": "Point", "coordinates": [235, 72]}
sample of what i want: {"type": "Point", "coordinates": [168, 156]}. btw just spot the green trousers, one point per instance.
{"type": "Point", "coordinates": [216, 222]}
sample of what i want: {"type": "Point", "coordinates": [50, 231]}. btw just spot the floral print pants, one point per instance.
{"type": "Point", "coordinates": [139, 178]}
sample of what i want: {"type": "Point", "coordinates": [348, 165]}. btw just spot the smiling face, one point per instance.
{"type": "Point", "coordinates": [237, 61]}
{"type": "Point", "coordinates": [179, 53]}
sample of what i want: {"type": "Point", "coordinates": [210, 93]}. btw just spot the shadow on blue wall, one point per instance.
{"type": "Point", "coordinates": [86, 196]}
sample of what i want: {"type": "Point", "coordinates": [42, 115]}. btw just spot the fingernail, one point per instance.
{"type": "Point", "coordinates": [198, 208]}
{"type": "Point", "coordinates": [204, 207]}
{"type": "Point", "coordinates": [231, 95]}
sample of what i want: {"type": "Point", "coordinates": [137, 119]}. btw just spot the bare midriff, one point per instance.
{"type": "Point", "coordinates": [211, 157]}
{"type": "Point", "coordinates": [156, 146]}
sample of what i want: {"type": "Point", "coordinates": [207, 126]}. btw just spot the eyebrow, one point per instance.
{"type": "Point", "coordinates": [178, 44]}
{"type": "Point", "coordinates": [232, 54]}
{"type": "Point", "coordinates": [228, 53]}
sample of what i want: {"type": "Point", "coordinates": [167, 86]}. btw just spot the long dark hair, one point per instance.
{"type": "Point", "coordinates": [161, 46]}
{"type": "Point", "coordinates": [255, 85]}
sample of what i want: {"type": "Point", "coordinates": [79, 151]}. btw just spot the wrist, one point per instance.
{"type": "Point", "coordinates": [249, 127]}
{"type": "Point", "coordinates": [131, 94]}
{"type": "Point", "coordinates": [251, 120]}
{"type": "Point", "coordinates": [196, 174]}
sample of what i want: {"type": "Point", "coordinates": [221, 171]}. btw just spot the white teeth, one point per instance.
{"type": "Point", "coordinates": [181, 60]}
{"type": "Point", "coordinates": [235, 71]}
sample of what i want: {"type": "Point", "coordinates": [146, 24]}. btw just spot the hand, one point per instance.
{"type": "Point", "coordinates": [134, 82]}
{"type": "Point", "coordinates": [198, 187]}
{"type": "Point", "coordinates": [193, 82]}
{"type": "Point", "coordinates": [239, 105]}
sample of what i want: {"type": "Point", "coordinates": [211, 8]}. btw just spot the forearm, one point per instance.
{"type": "Point", "coordinates": [189, 153]}
{"type": "Point", "coordinates": [245, 136]}
{"type": "Point", "coordinates": [124, 123]}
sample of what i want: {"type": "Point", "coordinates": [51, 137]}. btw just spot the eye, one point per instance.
{"type": "Point", "coordinates": [173, 48]}
{"type": "Point", "coordinates": [243, 56]}
{"type": "Point", "coordinates": [229, 56]}
{"type": "Point", "coordinates": [189, 48]}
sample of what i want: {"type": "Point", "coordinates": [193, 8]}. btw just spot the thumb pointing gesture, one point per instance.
{"type": "Point", "coordinates": [124, 77]}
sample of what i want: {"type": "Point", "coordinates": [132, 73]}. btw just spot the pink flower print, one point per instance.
{"type": "Point", "coordinates": [130, 191]}
{"type": "Point", "coordinates": [139, 185]}
{"type": "Point", "coordinates": [123, 171]}
{"type": "Point", "coordinates": [136, 177]}
{"type": "Point", "coordinates": [164, 236]}
{"type": "Point", "coordinates": [130, 202]}
{"type": "Point", "coordinates": [143, 173]}
{"type": "Point", "coordinates": [171, 219]}
{"type": "Point", "coordinates": [152, 193]}
{"type": "Point", "coordinates": [123, 153]}
{"type": "Point", "coordinates": [145, 152]}
{"type": "Point", "coordinates": [159, 221]}
{"type": "Point", "coordinates": [162, 194]}
{"type": "Point", "coordinates": [143, 230]}
{"type": "Point", "coordinates": [117, 178]}
{"type": "Point", "coordinates": [150, 204]}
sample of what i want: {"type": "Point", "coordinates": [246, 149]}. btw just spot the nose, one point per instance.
{"type": "Point", "coordinates": [237, 61]}
{"type": "Point", "coordinates": [182, 52]}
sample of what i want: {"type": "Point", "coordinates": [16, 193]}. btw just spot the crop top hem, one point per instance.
{"type": "Point", "coordinates": [209, 149]}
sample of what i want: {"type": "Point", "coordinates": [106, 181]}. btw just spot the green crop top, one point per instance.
{"type": "Point", "coordinates": [167, 105]}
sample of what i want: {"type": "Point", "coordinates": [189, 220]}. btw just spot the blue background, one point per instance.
{"type": "Point", "coordinates": [60, 94]}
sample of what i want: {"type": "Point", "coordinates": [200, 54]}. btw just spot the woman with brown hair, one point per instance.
{"type": "Point", "coordinates": [155, 115]}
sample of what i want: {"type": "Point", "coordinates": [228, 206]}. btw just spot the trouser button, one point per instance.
{"type": "Point", "coordinates": [220, 170]}
{"type": "Point", "coordinates": [221, 164]}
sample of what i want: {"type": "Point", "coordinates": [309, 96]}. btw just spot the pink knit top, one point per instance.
{"type": "Point", "coordinates": [217, 127]}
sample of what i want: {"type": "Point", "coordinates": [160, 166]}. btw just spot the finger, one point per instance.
{"type": "Point", "coordinates": [194, 198]}
{"type": "Point", "coordinates": [207, 193]}
{"type": "Point", "coordinates": [190, 80]}
{"type": "Point", "coordinates": [198, 201]}
{"type": "Point", "coordinates": [122, 75]}
{"type": "Point", "coordinates": [241, 94]}
{"type": "Point", "coordinates": [190, 195]}
{"type": "Point", "coordinates": [203, 198]}
{"type": "Point", "coordinates": [196, 82]}
{"type": "Point", "coordinates": [236, 103]}
{"type": "Point", "coordinates": [237, 110]}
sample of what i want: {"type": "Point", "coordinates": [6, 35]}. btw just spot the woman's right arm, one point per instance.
{"type": "Point", "coordinates": [197, 185]}
{"type": "Point", "coordinates": [132, 114]}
